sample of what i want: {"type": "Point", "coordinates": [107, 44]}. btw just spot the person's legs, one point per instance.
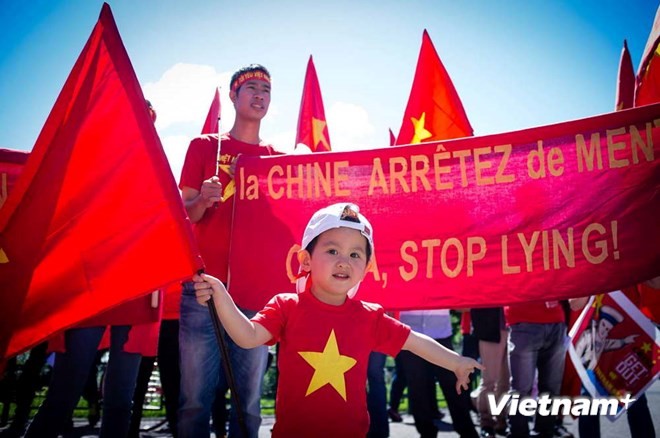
{"type": "Point", "coordinates": [470, 347]}
{"type": "Point", "coordinates": [458, 404]}
{"type": "Point", "coordinates": [503, 379]}
{"type": "Point", "coordinates": [396, 390]}
{"type": "Point", "coordinates": [141, 386]}
{"type": "Point", "coordinates": [550, 364]}
{"type": "Point", "coordinates": [69, 376]}
{"type": "Point", "coordinates": [249, 367]}
{"type": "Point", "coordinates": [421, 393]}
{"type": "Point", "coordinates": [170, 374]}
{"type": "Point", "coordinates": [640, 421]}
{"type": "Point", "coordinates": [377, 397]}
{"type": "Point", "coordinates": [489, 352]}
{"type": "Point", "coordinates": [525, 340]}
{"type": "Point", "coordinates": [27, 385]}
{"type": "Point", "coordinates": [119, 385]}
{"type": "Point", "coordinates": [91, 391]}
{"type": "Point", "coordinates": [200, 367]}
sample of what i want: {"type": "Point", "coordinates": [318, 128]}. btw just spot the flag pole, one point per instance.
{"type": "Point", "coordinates": [220, 330]}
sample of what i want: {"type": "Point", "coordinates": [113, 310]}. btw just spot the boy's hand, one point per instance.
{"type": "Point", "coordinates": [211, 191]}
{"type": "Point", "coordinates": [463, 370]}
{"type": "Point", "coordinates": [206, 286]}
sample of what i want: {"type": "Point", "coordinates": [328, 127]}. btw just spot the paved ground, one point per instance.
{"type": "Point", "coordinates": [406, 429]}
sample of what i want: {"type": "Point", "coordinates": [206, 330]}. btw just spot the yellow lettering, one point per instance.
{"type": "Point", "coordinates": [419, 173]}
{"type": "Point", "coordinates": [587, 156]}
{"type": "Point", "coordinates": [500, 177]}
{"type": "Point", "coordinates": [613, 147]}
{"type": "Point", "coordinates": [275, 194]}
{"type": "Point", "coordinates": [410, 259]}
{"type": "Point", "coordinates": [480, 166]}
{"type": "Point", "coordinates": [340, 177]}
{"type": "Point", "coordinates": [398, 170]}
{"type": "Point", "coordinates": [601, 245]}
{"type": "Point", "coordinates": [377, 178]}
{"type": "Point", "coordinates": [430, 244]}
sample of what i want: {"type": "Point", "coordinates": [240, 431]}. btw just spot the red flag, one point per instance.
{"type": "Point", "coordinates": [648, 75]}
{"type": "Point", "coordinates": [434, 111]}
{"type": "Point", "coordinates": [213, 117]}
{"type": "Point", "coordinates": [95, 218]}
{"type": "Point", "coordinates": [11, 166]}
{"type": "Point", "coordinates": [625, 91]}
{"type": "Point", "coordinates": [392, 138]}
{"type": "Point", "coordinates": [312, 126]}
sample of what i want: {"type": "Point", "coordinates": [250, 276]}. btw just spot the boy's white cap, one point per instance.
{"type": "Point", "coordinates": [344, 214]}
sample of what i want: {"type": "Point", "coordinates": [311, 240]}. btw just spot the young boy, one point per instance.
{"type": "Point", "coordinates": [326, 336]}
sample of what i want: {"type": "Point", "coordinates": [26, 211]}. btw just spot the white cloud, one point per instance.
{"type": "Point", "coordinates": [350, 128]}
{"type": "Point", "coordinates": [175, 147]}
{"type": "Point", "coordinates": [184, 93]}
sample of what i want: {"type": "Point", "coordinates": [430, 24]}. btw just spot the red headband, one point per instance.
{"type": "Point", "coordinates": [250, 75]}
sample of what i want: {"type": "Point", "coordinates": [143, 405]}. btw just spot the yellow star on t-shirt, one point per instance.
{"type": "Point", "coordinates": [230, 188]}
{"type": "Point", "coordinates": [329, 367]}
{"type": "Point", "coordinates": [420, 131]}
{"type": "Point", "coordinates": [318, 126]}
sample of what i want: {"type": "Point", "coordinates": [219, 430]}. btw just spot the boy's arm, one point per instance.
{"type": "Point", "coordinates": [244, 332]}
{"type": "Point", "coordinates": [197, 201]}
{"type": "Point", "coordinates": [428, 349]}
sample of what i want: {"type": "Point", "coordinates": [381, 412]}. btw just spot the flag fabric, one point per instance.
{"type": "Point", "coordinates": [648, 75]}
{"type": "Point", "coordinates": [614, 348]}
{"type": "Point", "coordinates": [483, 222]}
{"type": "Point", "coordinates": [434, 111]}
{"type": "Point", "coordinates": [95, 219]}
{"type": "Point", "coordinates": [11, 166]}
{"type": "Point", "coordinates": [312, 125]}
{"type": "Point", "coordinates": [392, 138]}
{"type": "Point", "coordinates": [213, 117]}
{"type": "Point", "coordinates": [625, 91]}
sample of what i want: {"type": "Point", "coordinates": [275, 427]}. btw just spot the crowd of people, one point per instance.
{"type": "Point", "coordinates": [518, 348]}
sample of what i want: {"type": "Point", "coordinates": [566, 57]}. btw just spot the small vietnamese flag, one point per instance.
{"type": "Point", "coordinates": [647, 90]}
{"type": "Point", "coordinates": [95, 218]}
{"type": "Point", "coordinates": [312, 126]}
{"type": "Point", "coordinates": [625, 91]}
{"type": "Point", "coordinates": [434, 111]}
{"type": "Point", "coordinates": [213, 117]}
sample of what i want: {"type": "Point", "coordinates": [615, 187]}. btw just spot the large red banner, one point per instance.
{"type": "Point", "coordinates": [546, 213]}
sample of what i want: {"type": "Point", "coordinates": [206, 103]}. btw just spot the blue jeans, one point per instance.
{"type": "Point", "coordinates": [202, 372]}
{"type": "Point", "coordinates": [70, 375]}
{"type": "Point", "coordinates": [531, 347]}
{"type": "Point", "coordinates": [379, 426]}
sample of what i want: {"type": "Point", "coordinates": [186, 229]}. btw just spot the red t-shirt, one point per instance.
{"type": "Point", "coordinates": [537, 312]}
{"type": "Point", "coordinates": [322, 361]}
{"type": "Point", "coordinates": [213, 230]}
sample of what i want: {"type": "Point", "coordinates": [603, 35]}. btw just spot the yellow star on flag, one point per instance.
{"type": "Point", "coordinates": [646, 347]}
{"type": "Point", "coordinates": [598, 302]}
{"type": "Point", "coordinates": [420, 131]}
{"type": "Point", "coordinates": [329, 367]}
{"type": "Point", "coordinates": [318, 126]}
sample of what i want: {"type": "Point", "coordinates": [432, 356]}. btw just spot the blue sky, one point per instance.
{"type": "Point", "coordinates": [515, 63]}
